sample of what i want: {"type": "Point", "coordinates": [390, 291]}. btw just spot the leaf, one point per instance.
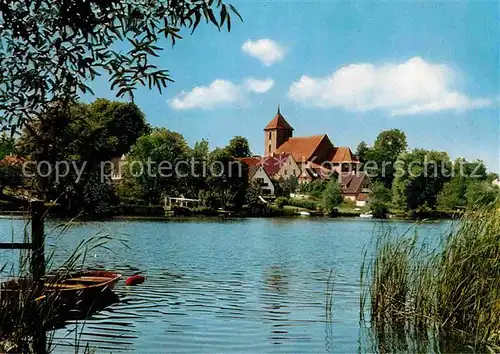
{"type": "Point", "coordinates": [233, 9]}
{"type": "Point", "coordinates": [223, 15]}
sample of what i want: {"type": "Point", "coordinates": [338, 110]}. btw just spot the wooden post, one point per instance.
{"type": "Point", "coordinates": [38, 269]}
{"type": "Point", "coordinates": [38, 241]}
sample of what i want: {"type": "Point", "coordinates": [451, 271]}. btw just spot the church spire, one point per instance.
{"type": "Point", "coordinates": [279, 109]}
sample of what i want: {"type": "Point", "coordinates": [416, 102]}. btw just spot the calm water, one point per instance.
{"type": "Point", "coordinates": [253, 285]}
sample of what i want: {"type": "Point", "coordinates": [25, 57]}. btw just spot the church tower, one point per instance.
{"type": "Point", "coordinates": [276, 133]}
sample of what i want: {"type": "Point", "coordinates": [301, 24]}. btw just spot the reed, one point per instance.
{"type": "Point", "coordinates": [25, 316]}
{"type": "Point", "coordinates": [449, 288]}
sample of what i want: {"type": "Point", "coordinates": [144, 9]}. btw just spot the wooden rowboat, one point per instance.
{"type": "Point", "coordinates": [73, 287]}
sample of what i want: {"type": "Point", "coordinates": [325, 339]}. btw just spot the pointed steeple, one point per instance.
{"type": "Point", "coordinates": [278, 122]}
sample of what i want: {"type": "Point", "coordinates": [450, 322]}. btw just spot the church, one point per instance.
{"type": "Point", "coordinates": [307, 158]}
{"type": "Point", "coordinates": [316, 154]}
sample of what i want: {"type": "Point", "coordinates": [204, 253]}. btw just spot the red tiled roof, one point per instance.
{"type": "Point", "coordinates": [278, 122]}
{"type": "Point", "coordinates": [301, 148]}
{"type": "Point", "coordinates": [272, 164]}
{"type": "Point", "coordinates": [352, 182]}
{"type": "Point", "coordinates": [250, 161]}
{"type": "Point", "coordinates": [252, 170]}
{"type": "Point", "coordinates": [342, 154]}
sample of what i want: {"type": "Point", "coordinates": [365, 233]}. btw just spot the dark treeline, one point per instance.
{"type": "Point", "coordinates": [87, 137]}
{"type": "Point", "coordinates": [422, 181]}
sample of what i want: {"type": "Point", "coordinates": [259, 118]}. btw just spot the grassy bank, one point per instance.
{"type": "Point", "coordinates": [453, 288]}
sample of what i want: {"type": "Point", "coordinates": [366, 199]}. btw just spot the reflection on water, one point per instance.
{"type": "Point", "coordinates": [254, 285]}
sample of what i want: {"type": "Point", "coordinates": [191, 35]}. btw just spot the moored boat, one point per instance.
{"type": "Point", "coordinates": [67, 287]}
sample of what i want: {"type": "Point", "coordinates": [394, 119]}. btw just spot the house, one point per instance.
{"type": "Point", "coordinates": [356, 187]}
{"type": "Point", "coordinates": [281, 166]}
{"type": "Point", "coordinates": [496, 182]}
{"type": "Point", "coordinates": [316, 153]}
{"type": "Point", "coordinates": [257, 173]}
{"type": "Point", "coordinates": [276, 166]}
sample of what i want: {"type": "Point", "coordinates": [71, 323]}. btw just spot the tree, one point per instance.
{"type": "Point", "coordinates": [195, 182]}
{"type": "Point", "coordinates": [453, 195]}
{"type": "Point", "coordinates": [285, 186]}
{"type": "Point", "coordinates": [239, 147]}
{"type": "Point", "coordinates": [465, 174]}
{"type": "Point", "coordinates": [10, 164]}
{"type": "Point", "coordinates": [482, 194]}
{"type": "Point", "coordinates": [380, 194]}
{"type": "Point", "coordinates": [227, 181]}
{"type": "Point", "coordinates": [420, 177]}
{"type": "Point", "coordinates": [85, 135]}
{"type": "Point", "coordinates": [10, 172]}
{"type": "Point", "coordinates": [379, 160]}
{"type": "Point", "coordinates": [362, 152]}
{"type": "Point", "coordinates": [391, 142]}
{"type": "Point", "coordinates": [7, 146]}
{"type": "Point", "coordinates": [153, 164]}
{"type": "Point", "coordinates": [332, 196]}
{"type": "Point", "coordinates": [379, 210]}
{"type": "Point", "coordinates": [52, 49]}
{"type": "Point", "coordinates": [117, 125]}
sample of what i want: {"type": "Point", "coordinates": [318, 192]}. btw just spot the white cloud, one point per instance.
{"type": "Point", "coordinates": [219, 93]}
{"type": "Point", "coordinates": [258, 86]}
{"type": "Point", "coordinates": [412, 87]}
{"type": "Point", "coordinates": [266, 50]}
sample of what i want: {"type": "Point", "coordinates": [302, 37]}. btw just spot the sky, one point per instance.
{"type": "Point", "coordinates": [346, 69]}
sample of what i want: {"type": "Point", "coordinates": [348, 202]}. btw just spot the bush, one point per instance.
{"type": "Point", "coordinates": [380, 210]}
{"type": "Point", "coordinates": [301, 203]}
{"type": "Point", "coordinates": [281, 202]}
{"type": "Point", "coordinates": [332, 197]}
{"type": "Point", "coordinates": [204, 210]}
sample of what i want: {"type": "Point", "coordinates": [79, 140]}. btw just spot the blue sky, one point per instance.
{"type": "Point", "coordinates": [349, 70]}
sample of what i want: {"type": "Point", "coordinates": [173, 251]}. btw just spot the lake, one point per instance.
{"type": "Point", "coordinates": [249, 285]}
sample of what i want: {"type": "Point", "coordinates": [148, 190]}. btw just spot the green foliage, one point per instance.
{"type": "Point", "coordinates": [252, 195]}
{"type": "Point", "coordinates": [379, 210]}
{"type": "Point", "coordinates": [466, 177]}
{"type": "Point", "coordinates": [7, 146]}
{"type": "Point", "coordinates": [10, 175]}
{"type": "Point", "coordinates": [421, 176]}
{"type": "Point", "coordinates": [482, 194]}
{"type": "Point", "coordinates": [227, 182]}
{"type": "Point", "coordinates": [239, 147]}
{"type": "Point", "coordinates": [380, 193]}
{"type": "Point", "coordinates": [381, 158]}
{"type": "Point", "coordinates": [117, 126]}
{"type": "Point", "coordinates": [451, 289]}
{"type": "Point", "coordinates": [314, 188]}
{"type": "Point", "coordinates": [332, 196]}
{"type": "Point", "coordinates": [362, 152]}
{"type": "Point", "coordinates": [285, 186]}
{"type": "Point", "coordinates": [98, 197]}
{"type": "Point", "coordinates": [160, 149]}
{"type": "Point", "coordinates": [52, 49]}
{"type": "Point", "coordinates": [281, 202]}
{"type": "Point", "coordinates": [83, 134]}
{"type": "Point", "coordinates": [302, 203]}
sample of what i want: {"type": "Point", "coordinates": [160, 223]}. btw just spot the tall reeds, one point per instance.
{"type": "Point", "coordinates": [449, 288]}
{"type": "Point", "coordinates": [27, 312]}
